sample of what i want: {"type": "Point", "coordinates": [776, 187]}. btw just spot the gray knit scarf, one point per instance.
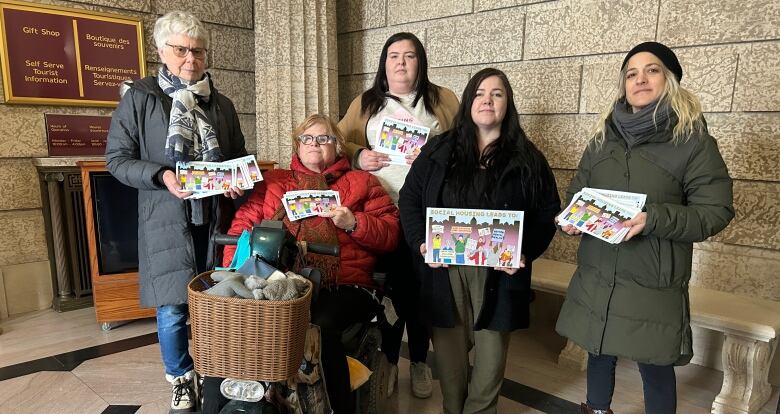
{"type": "Point", "coordinates": [190, 133]}
{"type": "Point", "coordinates": [637, 128]}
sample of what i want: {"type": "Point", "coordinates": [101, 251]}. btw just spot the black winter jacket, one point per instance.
{"type": "Point", "coordinates": [135, 153]}
{"type": "Point", "coordinates": [506, 297]}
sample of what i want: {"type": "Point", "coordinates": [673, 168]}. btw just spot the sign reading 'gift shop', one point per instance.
{"type": "Point", "coordinates": [54, 55]}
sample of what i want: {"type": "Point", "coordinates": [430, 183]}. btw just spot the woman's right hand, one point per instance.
{"type": "Point", "coordinates": [568, 229]}
{"type": "Point", "coordinates": [369, 160]}
{"type": "Point", "coordinates": [423, 250]}
{"type": "Point", "coordinates": [173, 186]}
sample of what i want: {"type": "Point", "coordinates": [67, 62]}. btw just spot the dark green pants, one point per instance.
{"type": "Point", "coordinates": [478, 393]}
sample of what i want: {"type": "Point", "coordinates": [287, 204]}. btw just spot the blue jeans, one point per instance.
{"type": "Point", "coordinates": [658, 382]}
{"type": "Point", "coordinates": [172, 333]}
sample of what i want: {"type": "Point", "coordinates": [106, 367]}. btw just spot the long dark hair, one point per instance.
{"type": "Point", "coordinates": [374, 99]}
{"type": "Point", "coordinates": [511, 144]}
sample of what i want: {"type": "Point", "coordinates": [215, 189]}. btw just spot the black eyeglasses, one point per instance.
{"type": "Point", "coordinates": [181, 51]}
{"type": "Point", "coordinates": [319, 139]}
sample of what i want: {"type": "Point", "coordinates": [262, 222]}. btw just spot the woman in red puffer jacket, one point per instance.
{"type": "Point", "coordinates": [366, 224]}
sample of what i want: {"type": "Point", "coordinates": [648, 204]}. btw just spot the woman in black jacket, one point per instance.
{"type": "Point", "coordinates": [484, 162]}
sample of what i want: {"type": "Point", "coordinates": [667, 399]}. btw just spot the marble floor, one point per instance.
{"type": "Point", "coordinates": [63, 363]}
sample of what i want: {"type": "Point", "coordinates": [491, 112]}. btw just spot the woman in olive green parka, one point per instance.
{"type": "Point", "coordinates": [631, 299]}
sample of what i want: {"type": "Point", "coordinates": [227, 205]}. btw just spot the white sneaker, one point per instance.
{"type": "Point", "coordinates": [421, 379]}
{"type": "Point", "coordinates": [184, 397]}
{"type": "Point", "coordinates": [392, 379]}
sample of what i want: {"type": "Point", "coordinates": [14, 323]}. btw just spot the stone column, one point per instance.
{"type": "Point", "coordinates": [64, 288]}
{"type": "Point", "coordinates": [296, 70]}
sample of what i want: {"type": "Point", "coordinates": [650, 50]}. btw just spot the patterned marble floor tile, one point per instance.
{"type": "Point", "coordinates": [156, 407]}
{"type": "Point", "coordinates": [134, 377]}
{"type": "Point", "coordinates": [505, 405]}
{"type": "Point", "coordinates": [50, 393]}
{"type": "Point", "coordinates": [55, 333]}
{"type": "Point", "coordinates": [403, 402]}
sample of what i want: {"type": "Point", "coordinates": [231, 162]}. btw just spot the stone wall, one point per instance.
{"type": "Point", "coordinates": [25, 277]}
{"type": "Point", "coordinates": [562, 58]}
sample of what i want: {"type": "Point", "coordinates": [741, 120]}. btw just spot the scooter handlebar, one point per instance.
{"type": "Point", "coordinates": [319, 248]}
{"type": "Point", "coordinates": [326, 249]}
{"type": "Point", "coordinates": [224, 239]}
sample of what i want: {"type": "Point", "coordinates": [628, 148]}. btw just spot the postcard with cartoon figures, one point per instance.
{"type": "Point", "coordinates": [399, 139]}
{"type": "Point", "coordinates": [205, 176]}
{"type": "Point", "coordinates": [247, 172]}
{"type": "Point", "coordinates": [470, 237]}
{"type": "Point", "coordinates": [205, 179]}
{"type": "Point", "coordinates": [601, 213]}
{"type": "Point", "coordinates": [308, 203]}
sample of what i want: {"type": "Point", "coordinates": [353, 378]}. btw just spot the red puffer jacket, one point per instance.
{"type": "Point", "coordinates": [378, 226]}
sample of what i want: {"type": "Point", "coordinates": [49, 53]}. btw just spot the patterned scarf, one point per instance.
{"type": "Point", "coordinates": [315, 230]}
{"type": "Point", "coordinates": [190, 134]}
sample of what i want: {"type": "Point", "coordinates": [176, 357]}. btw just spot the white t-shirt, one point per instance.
{"type": "Point", "coordinates": [392, 177]}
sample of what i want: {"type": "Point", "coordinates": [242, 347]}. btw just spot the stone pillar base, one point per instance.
{"type": "Point", "coordinates": [745, 376]}
{"type": "Point", "coordinates": [71, 303]}
{"type": "Point", "coordinates": [573, 357]}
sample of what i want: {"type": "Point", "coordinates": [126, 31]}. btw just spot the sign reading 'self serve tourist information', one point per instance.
{"type": "Point", "coordinates": [54, 55]}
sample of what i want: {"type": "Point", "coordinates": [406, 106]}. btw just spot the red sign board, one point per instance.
{"type": "Point", "coordinates": [53, 55]}
{"type": "Point", "coordinates": [73, 135]}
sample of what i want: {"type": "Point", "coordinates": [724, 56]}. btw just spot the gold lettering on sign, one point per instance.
{"type": "Point", "coordinates": [106, 41]}
{"type": "Point", "coordinates": [40, 31]}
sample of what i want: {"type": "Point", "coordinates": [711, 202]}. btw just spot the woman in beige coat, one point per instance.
{"type": "Point", "coordinates": [401, 91]}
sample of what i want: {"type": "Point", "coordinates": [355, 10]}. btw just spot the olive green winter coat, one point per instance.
{"type": "Point", "coordinates": [631, 299]}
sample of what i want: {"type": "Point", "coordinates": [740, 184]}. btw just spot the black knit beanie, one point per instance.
{"type": "Point", "coordinates": [661, 52]}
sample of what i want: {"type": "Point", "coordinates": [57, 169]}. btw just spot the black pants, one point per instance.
{"type": "Point", "coordinates": [658, 382]}
{"type": "Point", "coordinates": [213, 400]}
{"type": "Point", "coordinates": [403, 288]}
{"type": "Point", "coordinates": [200, 239]}
{"type": "Point", "coordinates": [335, 311]}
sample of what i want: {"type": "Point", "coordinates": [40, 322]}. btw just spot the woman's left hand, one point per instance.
{"type": "Point", "coordinates": [411, 157]}
{"type": "Point", "coordinates": [342, 217]}
{"type": "Point", "coordinates": [511, 270]}
{"type": "Point", "coordinates": [234, 192]}
{"type": "Point", "coordinates": [636, 224]}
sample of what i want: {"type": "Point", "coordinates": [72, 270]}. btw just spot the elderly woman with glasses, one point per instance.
{"type": "Point", "coordinates": [177, 115]}
{"type": "Point", "coordinates": [364, 225]}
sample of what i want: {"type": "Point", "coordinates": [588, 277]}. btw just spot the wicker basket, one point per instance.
{"type": "Point", "coordinates": [246, 338]}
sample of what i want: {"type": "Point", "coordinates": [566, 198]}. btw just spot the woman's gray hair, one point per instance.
{"type": "Point", "coordinates": [179, 22]}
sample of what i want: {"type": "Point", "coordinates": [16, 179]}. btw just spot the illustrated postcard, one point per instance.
{"type": "Point", "coordinates": [205, 177]}
{"type": "Point", "coordinates": [247, 172]}
{"type": "Point", "coordinates": [599, 215]}
{"type": "Point", "coordinates": [308, 203]}
{"type": "Point", "coordinates": [399, 139]}
{"type": "Point", "coordinates": [474, 237]}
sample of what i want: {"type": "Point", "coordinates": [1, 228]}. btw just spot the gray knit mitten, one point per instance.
{"type": "Point", "coordinates": [281, 289]}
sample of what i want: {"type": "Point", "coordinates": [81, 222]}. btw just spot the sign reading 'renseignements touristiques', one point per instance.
{"type": "Point", "coordinates": [54, 55]}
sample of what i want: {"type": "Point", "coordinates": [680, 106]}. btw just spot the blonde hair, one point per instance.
{"type": "Point", "coordinates": [683, 102]}
{"type": "Point", "coordinates": [330, 127]}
